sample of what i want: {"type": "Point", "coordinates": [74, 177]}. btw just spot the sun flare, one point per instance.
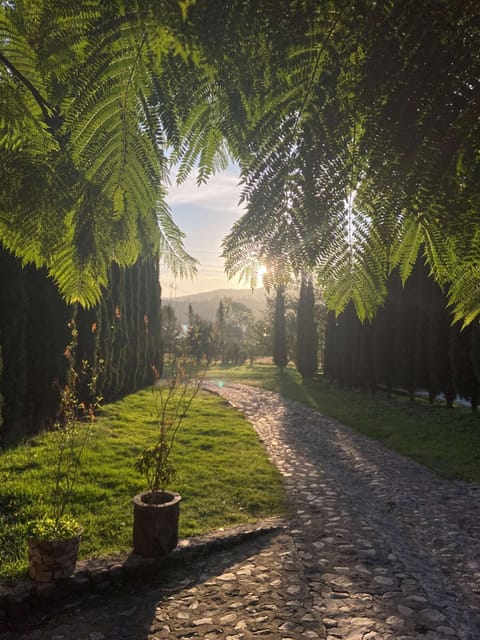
{"type": "Point", "coordinates": [261, 271]}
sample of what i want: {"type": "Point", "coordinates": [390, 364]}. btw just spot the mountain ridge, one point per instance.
{"type": "Point", "coordinates": [205, 304]}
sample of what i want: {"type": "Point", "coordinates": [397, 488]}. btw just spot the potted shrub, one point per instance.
{"type": "Point", "coordinates": [156, 511]}
{"type": "Point", "coordinates": [53, 540]}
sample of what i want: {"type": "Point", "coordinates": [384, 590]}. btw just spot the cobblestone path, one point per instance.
{"type": "Point", "coordinates": [377, 549]}
{"type": "Point", "coordinates": [388, 550]}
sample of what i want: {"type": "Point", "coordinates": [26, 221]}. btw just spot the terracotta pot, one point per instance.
{"type": "Point", "coordinates": [50, 560]}
{"type": "Point", "coordinates": [155, 523]}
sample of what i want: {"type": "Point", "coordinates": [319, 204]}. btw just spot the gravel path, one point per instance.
{"type": "Point", "coordinates": [390, 551]}
{"type": "Point", "coordinates": [377, 549]}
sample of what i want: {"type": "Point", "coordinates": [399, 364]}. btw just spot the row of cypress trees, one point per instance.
{"type": "Point", "coordinates": [411, 344]}
{"type": "Point", "coordinates": [120, 339]}
{"type": "Point", "coordinates": [305, 332]}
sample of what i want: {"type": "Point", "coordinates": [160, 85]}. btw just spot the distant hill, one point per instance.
{"type": "Point", "coordinates": [206, 304]}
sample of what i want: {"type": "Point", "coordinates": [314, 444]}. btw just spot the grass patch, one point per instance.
{"type": "Point", "coordinates": [447, 441]}
{"type": "Point", "coordinates": [223, 476]}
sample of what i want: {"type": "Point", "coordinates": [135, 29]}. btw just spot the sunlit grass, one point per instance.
{"type": "Point", "coordinates": [445, 440]}
{"type": "Point", "coordinates": [224, 477]}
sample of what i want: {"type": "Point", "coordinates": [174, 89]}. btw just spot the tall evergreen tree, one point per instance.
{"type": "Point", "coordinates": [220, 326]}
{"type": "Point", "coordinates": [280, 357]}
{"type": "Point", "coordinates": [2, 442]}
{"type": "Point", "coordinates": [405, 346]}
{"type": "Point", "coordinates": [366, 375]}
{"type": "Point", "coordinates": [439, 337]}
{"type": "Point", "coordinates": [347, 346]}
{"type": "Point", "coordinates": [307, 341]}
{"type": "Point", "coordinates": [170, 328]}
{"type": "Point", "coordinates": [47, 334]}
{"type": "Point", "coordinates": [330, 360]}
{"type": "Point", "coordinates": [191, 315]}
{"type": "Point", "coordinates": [465, 380]}
{"type": "Point", "coordinates": [385, 331]}
{"type": "Point", "coordinates": [421, 297]}
{"type": "Point", "coordinates": [475, 348]}
{"type": "Point", "coordinates": [13, 332]}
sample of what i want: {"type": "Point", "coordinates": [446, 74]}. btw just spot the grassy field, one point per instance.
{"type": "Point", "coordinates": [223, 476]}
{"type": "Point", "coordinates": [445, 440]}
{"type": "Point", "coordinates": [223, 473]}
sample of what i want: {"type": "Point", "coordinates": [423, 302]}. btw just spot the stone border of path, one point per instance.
{"type": "Point", "coordinates": [17, 600]}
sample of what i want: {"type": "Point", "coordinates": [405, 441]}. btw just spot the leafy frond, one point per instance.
{"type": "Point", "coordinates": [317, 103]}
{"type": "Point", "coordinates": [464, 293]}
{"type": "Point", "coordinates": [23, 107]}
{"type": "Point", "coordinates": [464, 286]}
{"type": "Point", "coordinates": [108, 140]}
{"type": "Point", "coordinates": [353, 266]}
{"type": "Point", "coordinates": [171, 250]}
{"type": "Point", "coordinates": [406, 246]}
{"type": "Point", "coordinates": [77, 280]}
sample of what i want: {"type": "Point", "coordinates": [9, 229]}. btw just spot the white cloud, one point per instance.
{"type": "Point", "coordinates": [220, 194]}
{"type": "Point", "coordinates": [205, 214]}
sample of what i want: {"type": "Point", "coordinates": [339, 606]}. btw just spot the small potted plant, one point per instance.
{"type": "Point", "coordinates": [156, 511]}
{"type": "Point", "coordinates": [53, 540]}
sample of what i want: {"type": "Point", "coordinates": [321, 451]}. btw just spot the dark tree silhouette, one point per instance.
{"type": "Point", "coordinates": [307, 341]}
{"type": "Point", "coordinates": [279, 330]}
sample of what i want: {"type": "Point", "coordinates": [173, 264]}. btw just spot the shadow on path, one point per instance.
{"type": "Point", "coordinates": [385, 543]}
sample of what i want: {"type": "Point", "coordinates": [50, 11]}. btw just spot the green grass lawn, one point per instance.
{"type": "Point", "coordinates": [223, 476]}
{"type": "Point", "coordinates": [445, 440]}
{"type": "Point", "coordinates": [223, 473]}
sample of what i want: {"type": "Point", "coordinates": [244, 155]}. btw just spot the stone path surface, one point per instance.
{"type": "Point", "coordinates": [377, 549]}
{"type": "Point", "coordinates": [389, 551]}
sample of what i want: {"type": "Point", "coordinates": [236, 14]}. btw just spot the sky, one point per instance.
{"type": "Point", "coordinates": [205, 214]}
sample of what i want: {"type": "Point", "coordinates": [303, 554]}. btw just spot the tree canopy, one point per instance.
{"type": "Point", "coordinates": [355, 124]}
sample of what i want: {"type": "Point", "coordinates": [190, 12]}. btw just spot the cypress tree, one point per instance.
{"type": "Point", "coordinates": [475, 349]}
{"type": "Point", "coordinates": [105, 329]}
{"type": "Point", "coordinates": [406, 334]}
{"type": "Point", "coordinates": [2, 441]}
{"type": "Point", "coordinates": [13, 331]}
{"type": "Point", "coordinates": [385, 330]}
{"type": "Point", "coordinates": [152, 322]}
{"type": "Point", "coordinates": [307, 342]}
{"type": "Point", "coordinates": [191, 315]}
{"type": "Point", "coordinates": [148, 360]}
{"type": "Point", "coordinates": [132, 327]}
{"type": "Point", "coordinates": [280, 330]}
{"type": "Point", "coordinates": [220, 326]}
{"type": "Point", "coordinates": [321, 312]}
{"type": "Point", "coordinates": [421, 296]}
{"type": "Point", "coordinates": [439, 336]}
{"type": "Point", "coordinates": [88, 323]}
{"type": "Point", "coordinates": [127, 329]}
{"type": "Point", "coordinates": [365, 373]}
{"type": "Point", "coordinates": [465, 379]}
{"type": "Point", "coordinates": [123, 331]}
{"type": "Point", "coordinates": [341, 375]}
{"type": "Point", "coordinates": [118, 301]}
{"type": "Point", "coordinates": [48, 332]}
{"type": "Point", "coordinates": [346, 346]}
{"type": "Point", "coordinates": [329, 350]}
{"type": "Point", "coordinates": [170, 328]}
{"type": "Point", "coordinates": [137, 348]}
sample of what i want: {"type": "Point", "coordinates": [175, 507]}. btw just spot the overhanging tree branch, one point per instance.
{"type": "Point", "coordinates": [42, 103]}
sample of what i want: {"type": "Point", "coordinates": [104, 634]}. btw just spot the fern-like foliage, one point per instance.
{"type": "Point", "coordinates": [356, 126]}
{"type": "Point", "coordinates": [84, 96]}
{"type": "Point", "coordinates": [375, 105]}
